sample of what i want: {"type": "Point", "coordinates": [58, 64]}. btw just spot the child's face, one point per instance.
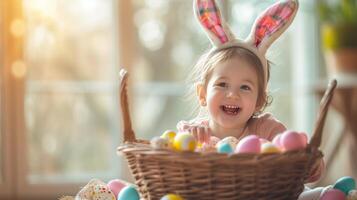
{"type": "Point", "coordinates": [231, 93]}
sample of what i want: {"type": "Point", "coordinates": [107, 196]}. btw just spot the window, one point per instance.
{"type": "Point", "coordinates": [69, 70]}
{"type": "Point", "coordinates": [167, 47]}
{"type": "Point", "coordinates": [70, 95]}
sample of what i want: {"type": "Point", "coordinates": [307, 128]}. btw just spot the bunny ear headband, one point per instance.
{"type": "Point", "coordinates": [266, 29]}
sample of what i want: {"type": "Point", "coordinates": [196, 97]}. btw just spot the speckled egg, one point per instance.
{"type": "Point", "coordinates": [185, 142]}
{"type": "Point", "coordinates": [345, 184]}
{"type": "Point", "coordinates": [169, 135]}
{"type": "Point", "coordinates": [291, 140]}
{"type": "Point", "coordinates": [213, 140]}
{"type": "Point", "coordinates": [171, 197]}
{"type": "Point", "coordinates": [208, 146]}
{"type": "Point", "coordinates": [249, 144]}
{"type": "Point", "coordinates": [102, 192]}
{"type": "Point", "coordinates": [333, 194]}
{"type": "Point", "coordinates": [269, 147]}
{"type": "Point", "coordinates": [128, 193]}
{"type": "Point", "coordinates": [352, 195]}
{"type": "Point", "coordinates": [159, 143]}
{"type": "Point", "coordinates": [225, 148]}
{"type": "Point", "coordinates": [233, 141]}
{"type": "Point", "coordinates": [115, 186]}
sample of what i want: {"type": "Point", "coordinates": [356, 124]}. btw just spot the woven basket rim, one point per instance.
{"type": "Point", "coordinates": [146, 149]}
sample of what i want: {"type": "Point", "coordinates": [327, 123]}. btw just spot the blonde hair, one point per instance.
{"type": "Point", "coordinates": [202, 70]}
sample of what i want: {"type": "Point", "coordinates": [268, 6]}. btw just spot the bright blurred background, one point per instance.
{"type": "Point", "coordinates": [59, 62]}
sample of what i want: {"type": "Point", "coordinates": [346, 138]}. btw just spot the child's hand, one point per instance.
{"type": "Point", "coordinates": [202, 134]}
{"type": "Point", "coordinates": [198, 128]}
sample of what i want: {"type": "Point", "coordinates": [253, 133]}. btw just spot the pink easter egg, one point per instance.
{"type": "Point", "coordinates": [291, 140]}
{"type": "Point", "coordinates": [263, 140]}
{"type": "Point", "coordinates": [304, 137]}
{"type": "Point", "coordinates": [277, 140]}
{"type": "Point", "coordinates": [333, 194]}
{"type": "Point", "coordinates": [249, 144]}
{"type": "Point", "coordinates": [115, 186]}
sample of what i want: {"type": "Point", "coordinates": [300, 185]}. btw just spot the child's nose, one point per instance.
{"type": "Point", "coordinates": [233, 94]}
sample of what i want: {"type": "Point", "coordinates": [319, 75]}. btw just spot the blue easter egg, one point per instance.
{"type": "Point", "coordinates": [128, 193]}
{"type": "Point", "coordinates": [345, 184]}
{"type": "Point", "coordinates": [225, 148]}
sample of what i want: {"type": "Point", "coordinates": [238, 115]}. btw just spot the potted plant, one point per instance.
{"type": "Point", "coordinates": [339, 34]}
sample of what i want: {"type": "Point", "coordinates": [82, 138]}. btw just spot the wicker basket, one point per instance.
{"type": "Point", "coordinates": [214, 176]}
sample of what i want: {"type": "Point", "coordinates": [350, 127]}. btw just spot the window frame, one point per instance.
{"type": "Point", "coordinates": [8, 130]}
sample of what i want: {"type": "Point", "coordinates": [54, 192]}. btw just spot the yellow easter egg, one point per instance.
{"type": "Point", "coordinates": [171, 197]}
{"type": "Point", "coordinates": [269, 147]}
{"type": "Point", "coordinates": [184, 142]}
{"type": "Point", "coordinates": [169, 135]}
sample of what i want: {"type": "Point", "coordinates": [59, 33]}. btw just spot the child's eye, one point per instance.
{"type": "Point", "coordinates": [245, 87]}
{"type": "Point", "coordinates": [222, 84]}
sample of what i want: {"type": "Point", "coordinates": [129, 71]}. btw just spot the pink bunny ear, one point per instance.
{"type": "Point", "coordinates": [272, 23]}
{"type": "Point", "coordinates": [209, 17]}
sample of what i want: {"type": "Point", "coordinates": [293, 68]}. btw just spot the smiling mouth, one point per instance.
{"type": "Point", "coordinates": [231, 110]}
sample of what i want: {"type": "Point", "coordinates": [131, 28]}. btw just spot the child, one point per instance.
{"type": "Point", "coordinates": [232, 89]}
{"type": "Point", "coordinates": [231, 79]}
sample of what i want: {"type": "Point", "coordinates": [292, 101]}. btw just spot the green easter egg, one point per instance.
{"type": "Point", "coordinates": [345, 184]}
{"type": "Point", "coordinates": [225, 148]}
{"type": "Point", "coordinates": [128, 193]}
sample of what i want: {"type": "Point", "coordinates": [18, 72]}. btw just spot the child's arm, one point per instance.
{"type": "Point", "coordinates": [266, 126]}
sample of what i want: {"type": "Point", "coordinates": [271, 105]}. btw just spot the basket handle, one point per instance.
{"type": "Point", "coordinates": [129, 135]}
{"type": "Point", "coordinates": [324, 105]}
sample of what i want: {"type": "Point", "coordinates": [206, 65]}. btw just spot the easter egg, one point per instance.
{"type": "Point", "coordinates": [233, 141]}
{"type": "Point", "coordinates": [345, 184]}
{"type": "Point", "coordinates": [207, 148]}
{"type": "Point", "coordinates": [91, 189]}
{"type": "Point", "coordinates": [263, 141]}
{"type": "Point", "coordinates": [102, 192]}
{"type": "Point", "coordinates": [249, 144]}
{"type": "Point", "coordinates": [269, 147]}
{"type": "Point", "coordinates": [292, 140]}
{"type": "Point", "coordinates": [213, 140]}
{"type": "Point", "coordinates": [159, 143]}
{"type": "Point", "coordinates": [277, 140]}
{"type": "Point", "coordinates": [225, 148]}
{"type": "Point", "coordinates": [115, 186]}
{"type": "Point", "coordinates": [352, 195]}
{"type": "Point", "coordinates": [333, 194]}
{"type": "Point", "coordinates": [184, 142]}
{"type": "Point", "coordinates": [169, 135]}
{"type": "Point", "coordinates": [128, 193]}
{"type": "Point", "coordinates": [304, 137]}
{"type": "Point", "coordinates": [311, 194]}
{"type": "Point", "coordinates": [171, 197]}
